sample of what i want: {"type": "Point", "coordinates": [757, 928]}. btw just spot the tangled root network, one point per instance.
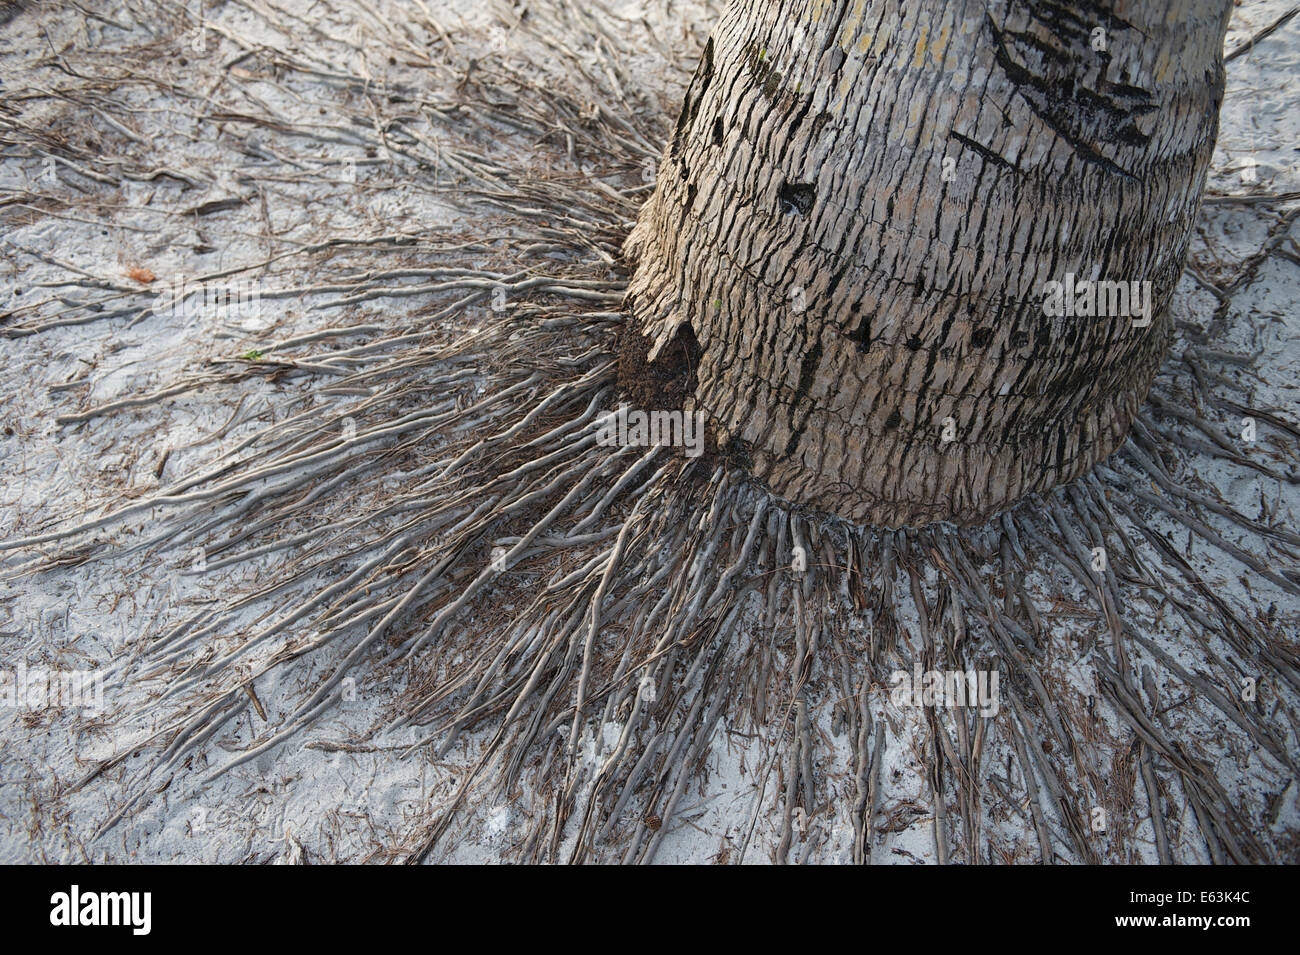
{"type": "Point", "coordinates": [407, 514]}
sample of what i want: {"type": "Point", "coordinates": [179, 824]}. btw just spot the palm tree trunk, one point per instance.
{"type": "Point", "coordinates": [860, 217]}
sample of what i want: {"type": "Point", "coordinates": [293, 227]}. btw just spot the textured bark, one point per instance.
{"type": "Point", "coordinates": [850, 290]}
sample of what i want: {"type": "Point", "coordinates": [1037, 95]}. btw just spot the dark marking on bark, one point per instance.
{"type": "Point", "coordinates": [819, 123]}
{"type": "Point", "coordinates": [860, 336]}
{"type": "Point", "coordinates": [1056, 90]}
{"type": "Point", "coordinates": [834, 284]}
{"type": "Point", "coordinates": [770, 80]}
{"type": "Point", "coordinates": [812, 360]}
{"type": "Point", "coordinates": [808, 370]}
{"type": "Point", "coordinates": [1077, 18]}
{"type": "Point", "coordinates": [983, 151]}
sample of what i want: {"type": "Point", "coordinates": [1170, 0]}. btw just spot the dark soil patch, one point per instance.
{"type": "Point", "coordinates": [665, 383]}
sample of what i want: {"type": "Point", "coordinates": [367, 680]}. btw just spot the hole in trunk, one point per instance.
{"type": "Point", "coordinates": [665, 383]}
{"type": "Point", "coordinates": [797, 197]}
